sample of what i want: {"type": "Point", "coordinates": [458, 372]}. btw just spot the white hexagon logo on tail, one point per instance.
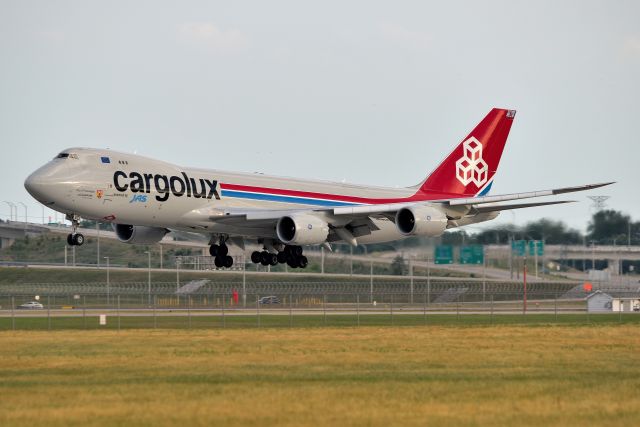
{"type": "Point", "coordinates": [470, 167]}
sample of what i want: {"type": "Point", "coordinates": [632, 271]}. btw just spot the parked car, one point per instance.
{"type": "Point", "coordinates": [31, 305]}
{"type": "Point", "coordinates": [272, 299]}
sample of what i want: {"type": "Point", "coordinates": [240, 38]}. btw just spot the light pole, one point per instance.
{"type": "Point", "coordinates": [177, 274]}
{"type": "Point", "coordinates": [149, 275]}
{"type": "Point", "coordinates": [411, 278]}
{"type": "Point", "coordinates": [107, 258]}
{"type": "Point", "coordinates": [11, 206]}
{"type": "Point", "coordinates": [366, 251]}
{"type": "Point", "coordinates": [25, 213]}
{"type": "Point", "coordinates": [244, 281]}
{"type": "Point", "coordinates": [98, 248]}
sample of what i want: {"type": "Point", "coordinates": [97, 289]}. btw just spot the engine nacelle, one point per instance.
{"type": "Point", "coordinates": [421, 221]}
{"type": "Point", "coordinates": [139, 233]}
{"type": "Point", "coordinates": [302, 230]}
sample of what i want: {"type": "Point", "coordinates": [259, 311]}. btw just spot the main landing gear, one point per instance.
{"type": "Point", "coordinates": [221, 254]}
{"type": "Point", "coordinates": [291, 255]}
{"type": "Point", "coordinates": [74, 239]}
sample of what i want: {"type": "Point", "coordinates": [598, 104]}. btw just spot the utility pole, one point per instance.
{"type": "Point", "coordinates": [244, 281]}
{"type": "Point", "coordinates": [177, 273]}
{"type": "Point", "coordinates": [149, 275]}
{"type": "Point", "coordinates": [371, 281]}
{"type": "Point", "coordinates": [98, 247]}
{"type": "Point", "coordinates": [428, 281]}
{"type": "Point", "coordinates": [511, 255]}
{"type": "Point", "coordinates": [351, 261]}
{"type": "Point", "coordinates": [524, 276]}
{"type": "Point", "coordinates": [411, 278]}
{"type": "Point", "coordinates": [107, 258]}
{"type": "Point", "coordinates": [484, 274]}
{"type": "Point", "coordinates": [11, 206]}
{"type": "Point", "coordinates": [535, 255]}
{"type": "Point", "coordinates": [25, 214]}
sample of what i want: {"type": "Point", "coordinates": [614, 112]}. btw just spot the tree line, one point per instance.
{"type": "Point", "coordinates": [606, 227]}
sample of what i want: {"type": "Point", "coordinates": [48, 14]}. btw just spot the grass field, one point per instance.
{"type": "Point", "coordinates": [221, 321]}
{"type": "Point", "coordinates": [416, 375]}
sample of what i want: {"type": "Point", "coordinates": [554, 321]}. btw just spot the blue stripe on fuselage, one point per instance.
{"type": "Point", "coordinates": [284, 199]}
{"type": "Point", "coordinates": [486, 190]}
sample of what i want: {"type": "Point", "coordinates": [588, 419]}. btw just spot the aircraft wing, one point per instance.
{"type": "Point", "coordinates": [454, 208]}
{"type": "Point", "coordinates": [467, 202]}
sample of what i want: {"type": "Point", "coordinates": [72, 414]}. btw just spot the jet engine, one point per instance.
{"type": "Point", "coordinates": [302, 230]}
{"type": "Point", "coordinates": [139, 233]}
{"type": "Point", "coordinates": [421, 221]}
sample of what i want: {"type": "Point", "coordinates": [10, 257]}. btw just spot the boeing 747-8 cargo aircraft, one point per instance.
{"type": "Point", "coordinates": [145, 199]}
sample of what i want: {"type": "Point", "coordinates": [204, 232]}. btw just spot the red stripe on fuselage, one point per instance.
{"type": "Point", "coordinates": [418, 196]}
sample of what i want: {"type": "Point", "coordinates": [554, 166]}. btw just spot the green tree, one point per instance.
{"type": "Point", "coordinates": [609, 226]}
{"type": "Point", "coordinates": [552, 232]}
{"type": "Point", "coordinates": [398, 266]}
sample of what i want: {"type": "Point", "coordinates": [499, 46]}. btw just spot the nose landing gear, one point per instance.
{"type": "Point", "coordinates": [74, 239]}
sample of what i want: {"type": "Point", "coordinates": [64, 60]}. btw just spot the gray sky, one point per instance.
{"type": "Point", "coordinates": [367, 92]}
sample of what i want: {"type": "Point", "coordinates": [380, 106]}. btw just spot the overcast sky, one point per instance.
{"type": "Point", "coordinates": [367, 92]}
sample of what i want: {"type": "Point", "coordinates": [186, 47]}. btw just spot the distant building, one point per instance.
{"type": "Point", "coordinates": [600, 302]}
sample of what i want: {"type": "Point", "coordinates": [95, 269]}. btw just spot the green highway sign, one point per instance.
{"type": "Point", "coordinates": [473, 254]}
{"type": "Point", "coordinates": [536, 246]}
{"type": "Point", "coordinates": [443, 254]}
{"type": "Point", "coordinates": [517, 247]}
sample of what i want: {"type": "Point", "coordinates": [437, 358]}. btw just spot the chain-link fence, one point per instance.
{"type": "Point", "coordinates": [224, 305]}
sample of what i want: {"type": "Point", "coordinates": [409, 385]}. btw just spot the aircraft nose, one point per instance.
{"type": "Point", "coordinates": [35, 185]}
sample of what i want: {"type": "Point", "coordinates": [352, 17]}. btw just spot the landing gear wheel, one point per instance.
{"type": "Point", "coordinates": [303, 261]}
{"type": "Point", "coordinates": [213, 250]}
{"type": "Point", "coordinates": [223, 250]}
{"type": "Point", "coordinates": [265, 258]}
{"type": "Point", "coordinates": [281, 257]}
{"type": "Point", "coordinates": [228, 261]}
{"type": "Point", "coordinates": [219, 262]}
{"type": "Point", "coordinates": [292, 261]}
{"type": "Point", "coordinates": [78, 239]}
{"type": "Point", "coordinates": [256, 257]}
{"type": "Point", "coordinates": [75, 239]}
{"type": "Point", "coordinates": [273, 259]}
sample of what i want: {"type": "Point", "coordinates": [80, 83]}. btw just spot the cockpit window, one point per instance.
{"type": "Point", "coordinates": [66, 156]}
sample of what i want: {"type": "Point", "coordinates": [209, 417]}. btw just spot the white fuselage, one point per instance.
{"type": "Point", "coordinates": [130, 189]}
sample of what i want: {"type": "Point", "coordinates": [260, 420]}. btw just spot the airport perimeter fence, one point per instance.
{"type": "Point", "coordinates": [471, 289]}
{"type": "Point", "coordinates": [211, 310]}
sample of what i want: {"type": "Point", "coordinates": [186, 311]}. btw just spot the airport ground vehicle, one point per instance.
{"type": "Point", "coordinates": [272, 299]}
{"type": "Point", "coordinates": [31, 305]}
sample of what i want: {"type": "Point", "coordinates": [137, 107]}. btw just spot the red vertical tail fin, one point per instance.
{"type": "Point", "coordinates": [468, 171]}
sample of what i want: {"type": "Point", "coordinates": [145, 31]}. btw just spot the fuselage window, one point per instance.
{"type": "Point", "coordinates": [62, 156]}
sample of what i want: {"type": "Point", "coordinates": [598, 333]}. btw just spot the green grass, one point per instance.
{"type": "Point", "coordinates": [376, 376]}
{"type": "Point", "coordinates": [220, 321]}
